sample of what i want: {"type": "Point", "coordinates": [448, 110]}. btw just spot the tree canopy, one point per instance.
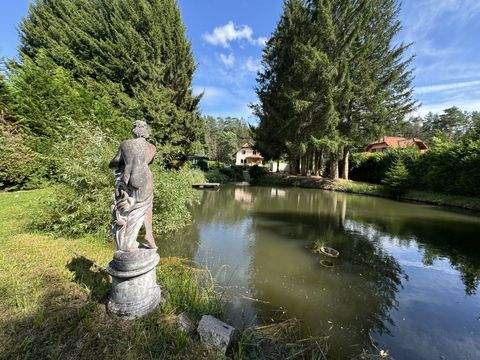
{"type": "Point", "coordinates": [333, 79]}
{"type": "Point", "coordinates": [135, 52]}
{"type": "Point", "coordinates": [224, 136]}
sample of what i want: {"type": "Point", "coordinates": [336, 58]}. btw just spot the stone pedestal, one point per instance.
{"type": "Point", "coordinates": [134, 291]}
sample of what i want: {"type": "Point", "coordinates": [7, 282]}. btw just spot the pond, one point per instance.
{"type": "Point", "coordinates": [407, 275]}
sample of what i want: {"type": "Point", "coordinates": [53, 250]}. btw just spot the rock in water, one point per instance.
{"type": "Point", "coordinates": [215, 334]}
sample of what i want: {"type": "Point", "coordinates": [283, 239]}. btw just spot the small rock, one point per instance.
{"type": "Point", "coordinates": [215, 334]}
{"type": "Point", "coordinates": [185, 324]}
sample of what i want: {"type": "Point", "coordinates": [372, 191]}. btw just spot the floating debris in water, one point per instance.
{"type": "Point", "coordinates": [329, 251]}
{"type": "Point", "coordinates": [326, 263]}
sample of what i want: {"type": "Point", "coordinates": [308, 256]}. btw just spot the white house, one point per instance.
{"type": "Point", "coordinates": [247, 156]}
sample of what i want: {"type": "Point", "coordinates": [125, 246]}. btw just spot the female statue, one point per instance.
{"type": "Point", "coordinates": [133, 203]}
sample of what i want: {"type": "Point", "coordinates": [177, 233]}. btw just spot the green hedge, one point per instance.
{"type": "Point", "coordinates": [447, 167]}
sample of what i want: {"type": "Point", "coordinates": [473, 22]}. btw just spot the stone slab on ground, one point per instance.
{"type": "Point", "coordinates": [185, 324]}
{"type": "Point", "coordinates": [215, 334]}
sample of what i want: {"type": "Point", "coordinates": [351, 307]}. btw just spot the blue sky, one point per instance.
{"type": "Point", "coordinates": [228, 37]}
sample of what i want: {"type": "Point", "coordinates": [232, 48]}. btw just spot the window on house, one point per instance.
{"type": "Point", "coordinates": [254, 152]}
{"type": "Point", "coordinates": [243, 152]}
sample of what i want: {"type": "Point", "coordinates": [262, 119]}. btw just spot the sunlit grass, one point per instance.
{"type": "Point", "coordinates": [52, 293]}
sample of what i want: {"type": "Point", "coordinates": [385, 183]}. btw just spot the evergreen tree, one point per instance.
{"type": "Point", "coordinates": [333, 79]}
{"type": "Point", "coordinates": [5, 97]}
{"type": "Point", "coordinates": [136, 46]}
{"type": "Point", "coordinates": [279, 111]}
{"type": "Point", "coordinates": [396, 178]}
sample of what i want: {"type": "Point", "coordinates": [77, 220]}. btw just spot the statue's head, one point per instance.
{"type": "Point", "coordinates": [141, 129]}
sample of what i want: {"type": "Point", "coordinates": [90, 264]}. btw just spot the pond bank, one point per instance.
{"type": "Point", "coordinates": [53, 287]}
{"type": "Point", "coordinates": [347, 186]}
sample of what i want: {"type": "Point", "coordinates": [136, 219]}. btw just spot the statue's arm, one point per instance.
{"type": "Point", "coordinates": [116, 160]}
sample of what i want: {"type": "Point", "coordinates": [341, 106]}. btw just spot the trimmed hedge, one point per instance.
{"type": "Point", "coordinates": [447, 167]}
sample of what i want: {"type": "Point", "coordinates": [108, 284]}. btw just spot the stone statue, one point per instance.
{"type": "Point", "coordinates": [133, 204]}
{"type": "Point", "coordinates": [135, 291]}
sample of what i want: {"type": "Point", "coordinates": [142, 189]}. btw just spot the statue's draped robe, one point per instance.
{"type": "Point", "coordinates": [133, 191]}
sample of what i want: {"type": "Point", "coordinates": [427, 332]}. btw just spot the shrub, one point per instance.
{"type": "Point", "coordinates": [20, 166]}
{"type": "Point", "coordinates": [447, 167]}
{"type": "Point", "coordinates": [173, 195]}
{"type": "Point", "coordinates": [229, 172]}
{"type": "Point", "coordinates": [257, 173]}
{"type": "Point", "coordinates": [396, 178]}
{"type": "Point", "coordinates": [84, 194]}
{"type": "Point", "coordinates": [372, 167]}
{"type": "Point", "coordinates": [82, 200]}
{"type": "Point", "coordinates": [217, 176]}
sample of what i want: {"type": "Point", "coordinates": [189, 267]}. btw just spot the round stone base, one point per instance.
{"type": "Point", "coordinates": [134, 291]}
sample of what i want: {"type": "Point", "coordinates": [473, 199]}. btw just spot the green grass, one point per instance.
{"type": "Point", "coordinates": [463, 202]}
{"type": "Point", "coordinates": [52, 294]}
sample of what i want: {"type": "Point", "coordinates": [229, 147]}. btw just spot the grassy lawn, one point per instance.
{"type": "Point", "coordinates": [52, 295]}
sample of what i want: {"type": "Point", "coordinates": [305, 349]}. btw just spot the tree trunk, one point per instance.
{"type": "Point", "coordinates": [334, 169]}
{"type": "Point", "coordinates": [346, 165]}
{"type": "Point", "coordinates": [278, 165]}
{"type": "Point", "coordinates": [321, 163]}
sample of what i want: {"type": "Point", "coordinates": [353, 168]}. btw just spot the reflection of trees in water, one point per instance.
{"type": "Point", "coordinates": [215, 206]}
{"type": "Point", "coordinates": [223, 206]}
{"type": "Point", "coordinates": [182, 243]}
{"type": "Point", "coordinates": [440, 234]}
{"type": "Point", "coordinates": [354, 297]}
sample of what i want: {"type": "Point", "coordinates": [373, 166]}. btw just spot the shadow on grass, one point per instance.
{"type": "Point", "coordinates": [90, 276]}
{"type": "Point", "coordinates": [65, 323]}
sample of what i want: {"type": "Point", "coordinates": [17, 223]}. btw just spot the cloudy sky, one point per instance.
{"type": "Point", "coordinates": [228, 37]}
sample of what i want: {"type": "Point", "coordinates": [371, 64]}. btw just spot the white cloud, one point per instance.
{"type": "Point", "coordinates": [224, 35]}
{"type": "Point", "coordinates": [446, 87]}
{"type": "Point", "coordinates": [210, 93]}
{"type": "Point", "coordinates": [252, 65]}
{"type": "Point", "coordinates": [465, 105]}
{"type": "Point", "coordinates": [228, 60]}
{"type": "Point", "coordinates": [262, 41]}
{"type": "Point", "coordinates": [427, 15]}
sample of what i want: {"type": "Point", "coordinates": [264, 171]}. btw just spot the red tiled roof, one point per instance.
{"type": "Point", "coordinates": [398, 142]}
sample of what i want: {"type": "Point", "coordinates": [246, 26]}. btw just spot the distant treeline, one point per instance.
{"type": "Point", "coordinates": [224, 136]}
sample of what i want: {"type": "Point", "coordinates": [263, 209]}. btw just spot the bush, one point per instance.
{"type": "Point", "coordinates": [257, 173]}
{"type": "Point", "coordinates": [20, 166]}
{"type": "Point", "coordinates": [173, 195]}
{"type": "Point", "coordinates": [372, 167]}
{"type": "Point", "coordinates": [396, 178]}
{"type": "Point", "coordinates": [447, 167]}
{"type": "Point", "coordinates": [217, 176]}
{"type": "Point", "coordinates": [83, 198]}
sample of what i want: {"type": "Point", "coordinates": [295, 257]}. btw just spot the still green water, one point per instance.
{"type": "Point", "coordinates": [407, 275]}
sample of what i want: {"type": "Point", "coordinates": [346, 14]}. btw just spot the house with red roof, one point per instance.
{"type": "Point", "coordinates": [395, 142]}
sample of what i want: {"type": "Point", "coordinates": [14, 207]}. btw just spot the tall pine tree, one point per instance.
{"type": "Point", "coordinates": [336, 82]}
{"type": "Point", "coordinates": [136, 46]}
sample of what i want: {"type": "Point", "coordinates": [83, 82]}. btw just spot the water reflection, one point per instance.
{"type": "Point", "coordinates": [398, 263]}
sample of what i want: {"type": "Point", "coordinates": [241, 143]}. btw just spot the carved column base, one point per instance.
{"type": "Point", "coordinates": [134, 291]}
